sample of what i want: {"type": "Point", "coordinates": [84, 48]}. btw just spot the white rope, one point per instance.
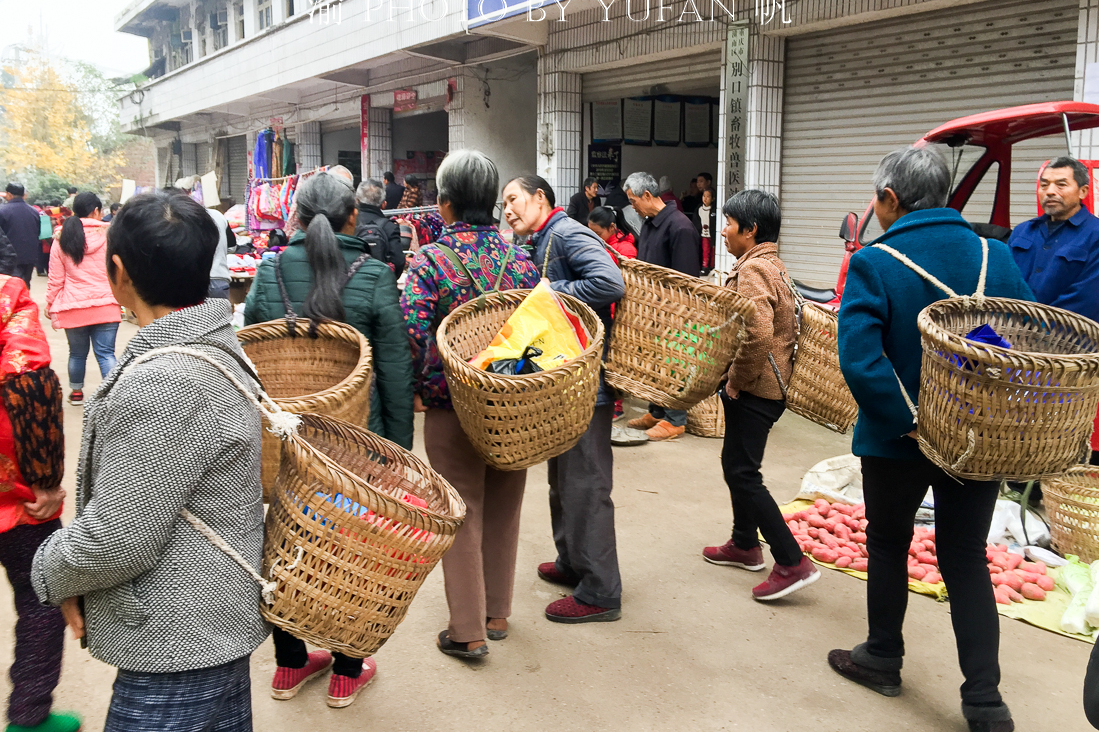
{"type": "Point", "coordinates": [267, 589]}
{"type": "Point", "coordinates": [283, 423]}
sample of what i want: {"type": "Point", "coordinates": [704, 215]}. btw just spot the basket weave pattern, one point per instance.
{"type": "Point", "coordinates": [1023, 413]}
{"type": "Point", "coordinates": [674, 336]}
{"type": "Point", "coordinates": [707, 418]}
{"type": "Point", "coordinates": [517, 421]}
{"type": "Point", "coordinates": [329, 374]}
{"type": "Point", "coordinates": [345, 581]}
{"type": "Point", "coordinates": [817, 390]}
{"type": "Point", "coordinates": [1072, 500]}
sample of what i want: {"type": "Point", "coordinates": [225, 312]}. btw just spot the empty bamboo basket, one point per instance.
{"type": "Point", "coordinates": [345, 545]}
{"type": "Point", "coordinates": [990, 413]}
{"type": "Point", "coordinates": [517, 421]}
{"type": "Point", "coordinates": [817, 389]}
{"type": "Point", "coordinates": [329, 374]}
{"type": "Point", "coordinates": [1072, 500]}
{"type": "Point", "coordinates": [674, 336]}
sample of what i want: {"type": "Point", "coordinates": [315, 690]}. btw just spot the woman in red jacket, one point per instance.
{"type": "Point", "coordinates": [32, 454]}
{"type": "Point", "coordinates": [610, 225]}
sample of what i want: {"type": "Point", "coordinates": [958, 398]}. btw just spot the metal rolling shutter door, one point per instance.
{"type": "Point", "coordinates": [238, 167]}
{"type": "Point", "coordinates": [695, 73]}
{"type": "Point", "coordinates": [854, 94]}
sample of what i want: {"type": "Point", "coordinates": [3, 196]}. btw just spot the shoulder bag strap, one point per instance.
{"type": "Point", "coordinates": [291, 316]}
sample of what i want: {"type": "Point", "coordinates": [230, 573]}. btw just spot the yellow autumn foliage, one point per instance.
{"type": "Point", "coordinates": [44, 128]}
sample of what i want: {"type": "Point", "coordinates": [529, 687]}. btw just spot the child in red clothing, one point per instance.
{"type": "Point", "coordinates": [610, 225]}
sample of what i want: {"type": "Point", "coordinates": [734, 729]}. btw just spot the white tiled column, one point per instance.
{"type": "Point", "coordinates": [766, 59]}
{"type": "Point", "coordinates": [559, 128]}
{"type": "Point", "coordinates": [456, 122]}
{"type": "Point", "coordinates": [1086, 143]}
{"type": "Point", "coordinates": [381, 141]}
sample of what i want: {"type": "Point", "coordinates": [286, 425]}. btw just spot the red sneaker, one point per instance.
{"type": "Point", "coordinates": [288, 681]}
{"type": "Point", "coordinates": [342, 690]}
{"type": "Point", "coordinates": [784, 580]}
{"type": "Point", "coordinates": [571, 610]}
{"type": "Point", "coordinates": [730, 556]}
{"type": "Point", "coordinates": [550, 573]}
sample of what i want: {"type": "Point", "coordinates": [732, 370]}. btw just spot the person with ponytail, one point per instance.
{"type": "Point", "coordinates": [610, 225]}
{"type": "Point", "coordinates": [78, 295]}
{"type": "Point", "coordinates": [328, 275]}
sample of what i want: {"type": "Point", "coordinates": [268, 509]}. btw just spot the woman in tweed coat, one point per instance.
{"type": "Point", "coordinates": [177, 616]}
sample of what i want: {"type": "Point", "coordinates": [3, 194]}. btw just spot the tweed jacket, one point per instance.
{"type": "Point", "coordinates": [173, 432]}
{"type": "Point", "coordinates": [758, 276]}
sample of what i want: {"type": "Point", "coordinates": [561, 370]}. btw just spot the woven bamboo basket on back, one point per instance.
{"type": "Point", "coordinates": [347, 550]}
{"type": "Point", "coordinates": [1072, 500]}
{"type": "Point", "coordinates": [817, 390]}
{"type": "Point", "coordinates": [517, 421]}
{"type": "Point", "coordinates": [674, 336]}
{"type": "Point", "coordinates": [1023, 413]}
{"type": "Point", "coordinates": [329, 374]}
{"type": "Point", "coordinates": [707, 418]}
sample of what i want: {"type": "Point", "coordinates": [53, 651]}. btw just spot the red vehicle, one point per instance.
{"type": "Point", "coordinates": [986, 139]}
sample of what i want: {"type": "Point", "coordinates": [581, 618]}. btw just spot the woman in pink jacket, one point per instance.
{"type": "Point", "coordinates": [78, 297]}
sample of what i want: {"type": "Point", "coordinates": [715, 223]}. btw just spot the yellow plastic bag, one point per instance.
{"type": "Point", "coordinates": [539, 321]}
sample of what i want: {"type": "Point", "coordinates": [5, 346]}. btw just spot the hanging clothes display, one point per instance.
{"type": "Point", "coordinates": [276, 155]}
{"type": "Point", "coordinates": [289, 165]}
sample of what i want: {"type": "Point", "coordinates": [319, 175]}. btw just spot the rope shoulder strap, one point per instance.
{"type": "Point", "coordinates": [291, 315]}
{"type": "Point", "coordinates": [284, 424]}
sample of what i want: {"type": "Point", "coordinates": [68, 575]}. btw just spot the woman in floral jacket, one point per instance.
{"type": "Point", "coordinates": [470, 258]}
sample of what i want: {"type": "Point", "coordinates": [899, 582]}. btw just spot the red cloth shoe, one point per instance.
{"type": "Point", "coordinates": [342, 690]}
{"type": "Point", "coordinates": [288, 681]}
{"type": "Point", "coordinates": [550, 573]}
{"type": "Point", "coordinates": [784, 580]}
{"type": "Point", "coordinates": [571, 610]}
{"type": "Point", "coordinates": [729, 555]}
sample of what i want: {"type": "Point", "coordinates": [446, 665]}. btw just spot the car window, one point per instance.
{"type": "Point", "coordinates": [870, 230]}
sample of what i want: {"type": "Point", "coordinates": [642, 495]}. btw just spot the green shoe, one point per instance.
{"type": "Point", "coordinates": [53, 723]}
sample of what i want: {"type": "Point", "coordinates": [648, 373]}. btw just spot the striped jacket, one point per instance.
{"type": "Point", "coordinates": [172, 432]}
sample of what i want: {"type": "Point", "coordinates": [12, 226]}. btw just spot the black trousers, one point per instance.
{"type": "Point", "coordinates": [1095, 458]}
{"type": "Point", "coordinates": [24, 272]}
{"type": "Point", "coordinates": [893, 490]}
{"type": "Point", "coordinates": [748, 422]}
{"type": "Point", "coordinates": [290, 652]}
{"type": "Point", "coordinates": [582, 514]}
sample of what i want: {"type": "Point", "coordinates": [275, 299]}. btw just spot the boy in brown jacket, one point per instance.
{"type": "Point", "coordinates": [753, 397]}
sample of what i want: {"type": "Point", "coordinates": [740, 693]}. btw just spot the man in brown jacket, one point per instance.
{"type": "Point", "coordinates": [754, 397]}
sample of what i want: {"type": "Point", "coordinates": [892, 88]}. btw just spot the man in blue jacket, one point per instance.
{"type": "Point", "coordinates": [21, 223]}
{"type": "Point", "coordinates": [575, 262]}
{"type": "Point", "coordinates": [880, 354]}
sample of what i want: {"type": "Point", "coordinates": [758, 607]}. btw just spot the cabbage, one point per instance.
{"type": "Point", "coordinates": [1091, 610]}
{"type": "Point", "coordinates": [1075, 618]}
{"type": "Point", "coordinates": [1074, 576]}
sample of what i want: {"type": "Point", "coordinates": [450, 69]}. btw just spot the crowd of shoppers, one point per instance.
{"type": "Point", "coordinates": [157, 600]}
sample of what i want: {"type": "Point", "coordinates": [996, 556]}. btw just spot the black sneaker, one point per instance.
{"type": "Point", "coordinates": [77, 397]}
{"type": "Point", "coordinates": [996, 718]}
{"type": "Point", "coordinates": [886, 683]}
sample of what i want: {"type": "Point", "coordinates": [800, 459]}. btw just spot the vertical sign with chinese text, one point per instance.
{"type": "Point", "coordinates": [733, 114]}
{"type": "Point", "coordinates": [364, 134]}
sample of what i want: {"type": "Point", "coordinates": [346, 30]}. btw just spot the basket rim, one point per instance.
{"type": "Point", "coordinates": [931, 329]}
{"type": "Point", "coordinates": [276, 329]}
{"type": "Point", "coordinates": [445, 523]}
{"type": "Point", "coordinates": [696, 284]}
{"type": "Point", "coordinates": [580, 308]}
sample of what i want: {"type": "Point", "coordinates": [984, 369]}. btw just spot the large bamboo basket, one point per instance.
{"type": "Point", "coordinates": [345, 580]}
{"type": "Point", "coordinates": [817, 390]}
{"type": "Point", "coordinates": [1023, 413]}
{"type": "Point", "coordinates": [674, 336]}
{"type": "Point", "coordinates": [1072, 500]}
{"type": "Point", "coordinates": [707, 418]}
{"type": "Point", "coordinates": [517, 421]}
{"type": "Point", "coordinates": [329, 374]}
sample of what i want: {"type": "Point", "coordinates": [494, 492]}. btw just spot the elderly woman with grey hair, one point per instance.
{"type": "Point", "coordinates": [470, 258]}
{"type": "Point", "coordinates": [381, 233]}
{"type": "Point", "coordinates": [880, 355]}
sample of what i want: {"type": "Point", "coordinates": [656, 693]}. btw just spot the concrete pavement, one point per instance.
{"type": "Point", "coordinates": [692, 652]}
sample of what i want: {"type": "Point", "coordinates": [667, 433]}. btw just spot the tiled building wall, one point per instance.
{"type": "Point", "coordinates": [309, 145]}
{"type": "Point", "coordinates": [559, 132]}
{"type": "Point", "coordinates": [381, 141]}
{"type": "Point", "coordinates": [1087, 52]}
{"type": "Point", "coordinates": [765, 81]}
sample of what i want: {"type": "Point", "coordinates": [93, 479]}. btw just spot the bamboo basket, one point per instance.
{"type": "Point", "coordinates": [1072, 500]}
{"type": "Point", "coordinates": [674, 336]}
{"type": "Point", "coordinates": [329, 374]}
{"type": "Point", "coordinates": [707, 418]}
{"type": "Point", "coordinates": [817, 390]}
{"type": "Point", "coordinates": [345, 578]}
{"type": "Point", "coordinates": [990, 413]}
{"type": "Point", "coordinates": [517, 421]}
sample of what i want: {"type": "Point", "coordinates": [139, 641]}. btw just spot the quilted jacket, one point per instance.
{"type": "Point", "coordinates": [170, 433]}
{"type": "Point", "coordinates": [80, 294]}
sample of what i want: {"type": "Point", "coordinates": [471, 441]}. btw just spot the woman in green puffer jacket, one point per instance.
{"type": "Point", "coordinates": [315, 268]}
